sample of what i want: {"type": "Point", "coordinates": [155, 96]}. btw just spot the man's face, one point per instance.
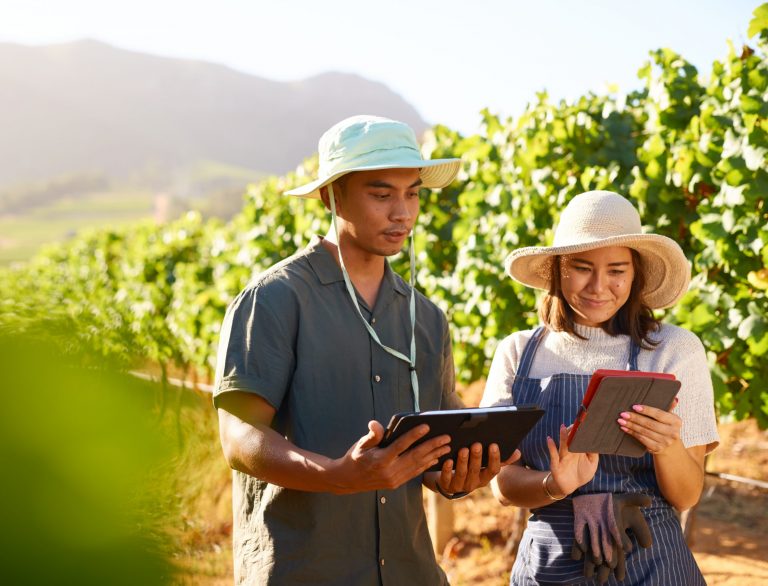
{"type": "Point", "coordinates": [378, 209]}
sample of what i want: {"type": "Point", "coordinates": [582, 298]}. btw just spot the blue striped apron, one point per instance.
{"type": "Point", "coordinates": [544, 556]}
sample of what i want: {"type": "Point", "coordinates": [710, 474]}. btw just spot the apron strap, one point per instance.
{"type": "Point", "coordinates": [526, 360]}
{"type": "Point", "coordinates": [634, 350]}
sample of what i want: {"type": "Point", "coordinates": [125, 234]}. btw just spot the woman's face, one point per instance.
{"type": "Point", "coordinates": [597, 283]}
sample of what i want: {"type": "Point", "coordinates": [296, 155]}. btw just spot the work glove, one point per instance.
{"type": "Point", "coordinates": [601, 522]}
{"type": "Point", "coordinates": [602, 568]}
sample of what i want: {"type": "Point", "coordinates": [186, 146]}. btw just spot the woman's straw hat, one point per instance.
{"type": "Point", "coordinates": [601, 218]}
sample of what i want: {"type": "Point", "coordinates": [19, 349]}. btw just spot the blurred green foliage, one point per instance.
{"type": "Point", "coordinates": [78, 445]}
{"type": "Point", "coordinates": [690, 153]}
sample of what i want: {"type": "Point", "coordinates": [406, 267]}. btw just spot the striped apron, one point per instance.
{"type": "Point", "coordinates": [544, 556]}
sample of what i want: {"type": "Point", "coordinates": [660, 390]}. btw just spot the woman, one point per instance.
{"type": "Point", "coordinates": [603, 278]}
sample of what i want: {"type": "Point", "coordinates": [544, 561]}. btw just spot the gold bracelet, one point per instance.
{"type": "Point", "coordinates": [546, 490]}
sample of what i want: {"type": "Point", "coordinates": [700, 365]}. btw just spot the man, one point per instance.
{"type": "Point", "coordinates": [316, 354]}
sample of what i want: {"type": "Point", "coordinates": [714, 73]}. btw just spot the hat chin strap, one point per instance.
{"type": "Point", "coordinates": [350, 289]}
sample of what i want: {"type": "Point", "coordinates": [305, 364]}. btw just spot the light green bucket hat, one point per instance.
{"type": "Point", "coordinates": [367, 143]}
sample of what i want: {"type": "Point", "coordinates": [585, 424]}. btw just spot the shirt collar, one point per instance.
{"type": "Point", "coordinates": [328, 271]}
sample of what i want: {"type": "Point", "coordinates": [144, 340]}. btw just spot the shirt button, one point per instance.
{"type": "Point", "coordinates": [377, 378]}
{"type": "Point", "coordinates": [381, 561]}
{"type": "Point", "coordinates": [373, 320]}
{"type": "Point", "coordinates": [383, 500]}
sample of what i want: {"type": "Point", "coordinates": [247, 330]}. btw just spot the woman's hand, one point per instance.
{"type": "Point", "coordinates": [570, 470]}
{"type": "Point", "coordinates": [656, 429]}
{"type": "Point", "coordinates": [679, 470]}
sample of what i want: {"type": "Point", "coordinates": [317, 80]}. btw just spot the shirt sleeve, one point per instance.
{"type": "Point", "coordinates": [256, 346]}
{"type": "Point", "coordinates": [501, 377]}
{"type": "Point", "coordinates": [688, 362]}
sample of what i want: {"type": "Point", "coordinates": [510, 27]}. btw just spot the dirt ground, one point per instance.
{"type": "Point", "coordinates": [729, 533]}
{"type": "Point", "coordinates": [730, 537]}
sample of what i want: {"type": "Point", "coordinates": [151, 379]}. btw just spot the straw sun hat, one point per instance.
{"type": "Point", "coordinates": [367, 143]}
{"type": "Point", "coordinates": [601, 218]}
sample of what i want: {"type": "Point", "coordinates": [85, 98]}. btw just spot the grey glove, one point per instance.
{"type": "Point", "coordinates": [600, 528]}
{"type": "Point", "coordinates": [626, 509]}
{"type": "Point", "coordinates": [602, 568]}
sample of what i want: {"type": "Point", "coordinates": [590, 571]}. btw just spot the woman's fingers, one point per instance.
{"type": "Point", "coordinates": [563, 440]}
{"type": "Point", "coordinates": [554, 456]}
{"type": "Point", "coordinates": [656, 414]}
{"type": "Point", "coordinates": [655, 428]}
{"type": "Point", "coordinates": [656, 421]}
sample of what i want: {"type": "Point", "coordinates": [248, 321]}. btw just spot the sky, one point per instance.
{"type": "Point", "coordinates": [448, 58]}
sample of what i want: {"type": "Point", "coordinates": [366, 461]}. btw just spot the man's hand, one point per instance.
{"type": "Point", "coordinates": [366, 467]}
{"type": "Point", "coordinates": [469, 474]}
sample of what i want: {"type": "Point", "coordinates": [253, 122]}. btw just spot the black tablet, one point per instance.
{"type": "Point", "coordinates": [505, 426]}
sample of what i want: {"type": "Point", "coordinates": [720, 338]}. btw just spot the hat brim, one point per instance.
{"type": "Point", "coordinates": [666, 269]}
{"type": "Point", "coordinates": [434, 174]}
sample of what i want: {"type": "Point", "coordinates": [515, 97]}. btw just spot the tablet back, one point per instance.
{"type": "Point", "coordinates": [598, 430]}
{"type": "Point", "coordinates": [505, 426]}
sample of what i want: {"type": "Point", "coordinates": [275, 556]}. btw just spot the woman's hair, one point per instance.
{"type": "Point", "coordinates": [634, 319]}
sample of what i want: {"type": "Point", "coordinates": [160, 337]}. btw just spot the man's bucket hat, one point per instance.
{"type": "Point", "coordinates": [367, 143]}
{"type": "Point", "coordinates": [601, 218]}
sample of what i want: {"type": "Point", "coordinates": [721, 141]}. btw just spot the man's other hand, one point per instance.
{"type": "Point", "coordinates": [365, 466]}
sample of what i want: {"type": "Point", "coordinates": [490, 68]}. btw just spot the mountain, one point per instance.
{"type": "Point", "coordinates": [87, 107]}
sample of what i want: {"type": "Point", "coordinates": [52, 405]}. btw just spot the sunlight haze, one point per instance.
{"type": "Point", "coordinates": [449, 59]}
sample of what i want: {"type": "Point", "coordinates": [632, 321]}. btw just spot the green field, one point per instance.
{"type": "Point", "coordinates": [23, 234]}
{"type": "Point", "coordinates": [212, 188]}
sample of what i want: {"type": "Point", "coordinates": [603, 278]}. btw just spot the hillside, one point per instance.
{"type": "Point", "coordinates": [96, 135]}
{"type": "Point", "coordinates": [87, 107]}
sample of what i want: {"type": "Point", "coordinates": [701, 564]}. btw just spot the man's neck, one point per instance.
{"type": "Point", "coordinates": [366, 270]}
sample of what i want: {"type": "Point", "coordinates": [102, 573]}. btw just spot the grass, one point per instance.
{"type": "Point", "coordinates": [195, 502]}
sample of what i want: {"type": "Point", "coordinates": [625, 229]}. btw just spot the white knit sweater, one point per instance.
{"type": "Point", "coordinates": [679, 352]}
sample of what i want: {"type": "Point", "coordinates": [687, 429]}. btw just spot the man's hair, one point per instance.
{"type": "Point", "coordinates": [340, 184]}
{"type": "Point", "coordinates": [634, 319]}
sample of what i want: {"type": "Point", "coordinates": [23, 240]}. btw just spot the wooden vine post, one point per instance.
{"type": "Point", "coordinates": [439, 520]}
